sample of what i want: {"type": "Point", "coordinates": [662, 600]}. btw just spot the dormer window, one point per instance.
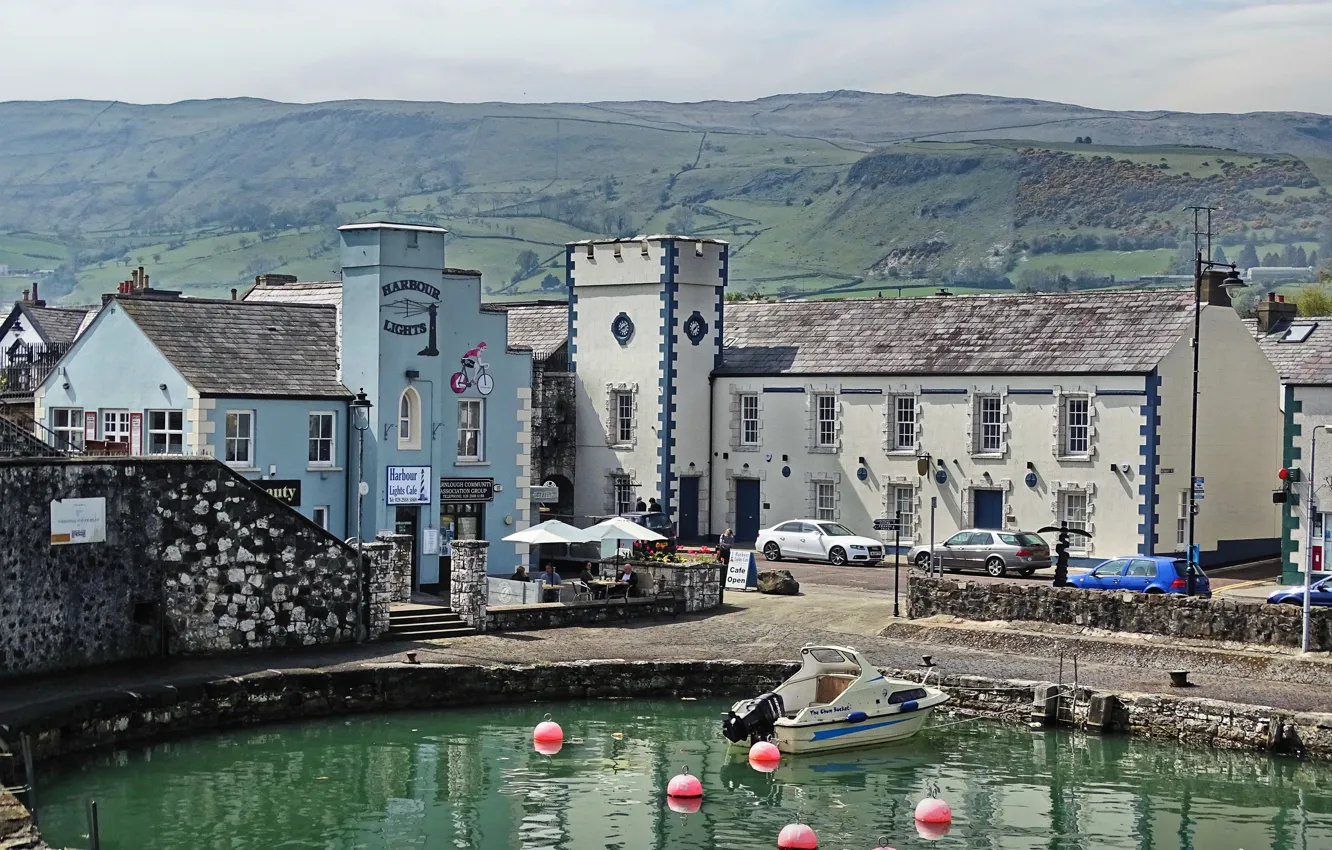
{"type": "Point", "coordinates": [1299, 333]}
{"type": "Point", "coordinates": [409, 420]}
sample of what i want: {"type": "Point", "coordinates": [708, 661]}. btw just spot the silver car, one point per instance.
{"type": "Point", "coordinates": [995, 552]}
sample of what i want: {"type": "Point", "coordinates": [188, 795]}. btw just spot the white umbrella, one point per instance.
{"type": "Point", "coordinates": [619, 528]}
{"type": "Point", "coordinates": [550, 531]}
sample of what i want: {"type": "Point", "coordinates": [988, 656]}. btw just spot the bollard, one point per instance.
{"type": "Point", "coordinates": [1101, 712]}
{"type": "Point", "coordinates": [29, 773]}
{"type": "Point", "coordinates": [1045, 704]}
{"type": "Point", "coordinates": [94, 833]}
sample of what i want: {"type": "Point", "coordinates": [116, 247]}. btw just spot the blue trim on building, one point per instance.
{"type": "Point", "coordinates": [666, 383]}
{"type": "Point", "coordinates": [573, 303]}
{"type": "Point", "coordinates": [1150, 467]}
{"type": "Point", "coordinates": [725, 274]}
{"type": "Point", "coordinates": [1012, 391]}
{"type": "Point", "coordinates": [1122, 392]}
{"type": "Point", "coordinates": [783, 389]}
{"type": "Point", "coordinates": [941, 391]}
{"type": "Point", "coordinates": [861, 391]}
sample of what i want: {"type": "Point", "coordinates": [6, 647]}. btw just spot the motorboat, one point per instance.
{"type": "Point", "coordinates": [836, 700]}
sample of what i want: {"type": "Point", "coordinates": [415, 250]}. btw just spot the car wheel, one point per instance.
{"type": "Point", "coordinates": [772, 552]}
{"type": "Point", "coordinates": [1028, 572]}
{"type": "Point", "coordinates": [1299, 602]}
{"type": "Point", "coordinates": [923, 559]}
{"type": "Point", "coordinates": [1153, 591]}
{"type": "Point", "coordinates": [954, 569]}
{"type": "Point", "coordinates": [837, 556]}
{"type": "Point", "coordinates": [995, 567]}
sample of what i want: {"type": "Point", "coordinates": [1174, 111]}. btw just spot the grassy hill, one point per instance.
{"type": "Point", "coordinates": [826, 194]}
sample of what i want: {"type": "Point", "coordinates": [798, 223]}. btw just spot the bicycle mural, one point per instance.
{"type": "Point", "coordinates": [474, 372]}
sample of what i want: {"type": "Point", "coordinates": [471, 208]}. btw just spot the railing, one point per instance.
{"type": "Point", "coordinates": [20, 436]}
{"type": "Point", "coordinates": [24, 366]}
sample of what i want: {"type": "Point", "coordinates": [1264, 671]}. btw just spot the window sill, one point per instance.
{"type": "Point", "coordinates": [1075, 459]}
{"type": "Point", "coordinates": [409, 447]}
{"type": "Point", "coordinates": [463, 462]}
{"type": "Point", "coordinates": [238, 467]}
{"type": "Point", "coordinates": [746, 447]}
{"type": "Point", "coordinates": [911, 453]}
{"type": "Point", "coordinates": [621, 447]}
{"type": "Point", "coordinates": [824, 450]}
{"type": "Point", "coordinates": [314, 467]}
{"type": "Point", "coordinates": [988, 455]}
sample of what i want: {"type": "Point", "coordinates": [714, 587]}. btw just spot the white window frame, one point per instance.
{"type": "Point", "coordinates": [622, 417]}
{"type": "Point", "coordinates": [121, 417]}
{"type": "Point", "coordinates": [166, 431]}
{"type": "Point", "coordinates": [825, 501]}
{"type": "Point", "coordinates": [409, 420]}
{"type": "Point", "coordinates": [905, 495]}
{"type": "Point", "coordinates": [904, 404]}
{"type": "Point", "coordinates": [989, 424]}
{"type": "Point", "coordinates": [825, 420]}
{"type": "Point", "coordinates": [749, 424]}
{"type": "Point", "coordinates": [230, 457]}
{"type": "Point", "coordinates": [1182, 520]}
{"type": "Point", "coordinates": [622, 493]}
{"type": "Point", "coordinates": [319, 516]}
{"type": "Point", "coordinates": [1070, 517]}
{"type": "Point", "coordinates": [1084, 428]}
{"type": "Point", "coordinates": [318, 441]}
{"type": "Point", "coordinates": [70, 434]}
{"type": "Point", "coordinates": [477, 428]}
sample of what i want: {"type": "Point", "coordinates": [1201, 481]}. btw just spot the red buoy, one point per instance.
{"type": "Point", "coordinates": [547, 748]}
{"type": "Point", "coordinates": [684, 805]}
{"type": "Point", "coordinates": [764, 756]}
{"type": "Point", "coordinates": [932, 831]}
{"type": "Point", "coordinates": [797, 836]}
{"type": "Point", "coordinates": [684, 786]}
{"type": "Point", "coordinates": [933, 810]}
{"type": "Point", "coordinates": [548, 732]}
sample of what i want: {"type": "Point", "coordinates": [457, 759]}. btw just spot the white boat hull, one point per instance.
{"type": "Point", "coordinates": [870, 732]}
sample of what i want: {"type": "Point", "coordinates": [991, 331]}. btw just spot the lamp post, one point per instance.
{"type": "Point", "coordinates": [360, 416]}
{"type": "Point", "coordinates": [1308, 535]}
{"type": "Point", "coordinates": [1232, 281]}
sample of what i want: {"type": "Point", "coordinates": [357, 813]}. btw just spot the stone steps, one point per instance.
{"type": "Point", "coordinates": [426, 624]}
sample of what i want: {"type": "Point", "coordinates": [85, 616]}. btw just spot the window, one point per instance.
{"type": "Point", "coordinates": [1077, 426]}
{"type": "Point", "coordinates": [835, 529]}
{"type": "Point", "coordinates": [962, 538]}
{"type": "Point", "coordinates": [409, 419]}
{"type": "Point", "coordinates": [624, 494]}
{"type": "Point", "coordinates": [826, 433]}
{"type": "Point", "coordinates": [789, 527]}
{"type": "Point", "coordinates": [991, 433]}
{"type": "Point", "coordinates": [980, 538]}
{"type": "Point", "coordinates": [67, 423]}
{"type": "Point", "coordinates": [904, 505]}
{"type": "Point", "coordinates": [116, 426]}
{"type": "Point", "coordinates": [240, 438]}
{"type": "Point", "coordinates": [1182, 520]}
{"type": "Point", "coordinates": [1073, 511]}
{"type": "Point", "coordinates": [166, 432]}
{"type": "Point", "coordinates": [470, 430]}
{"type": "Point", "coordinates": [413, 239]}
{"type": "Point", "coordinates": [321, 439]}
{"type": "Point", "coordinates": [1142, 568]}
{"type": "Point", "coordinates": [1110, 568]}
{"type": "Point", "coordinates": [624, 418]}
{"type": "Point", "coordinates": [825, 500]}
{"type": "Point", "coordinates": [904, 423]}
{"type": "Point", "coordinates": [749, 420]}
{"type": "Point", "coordinates": [320, 516]}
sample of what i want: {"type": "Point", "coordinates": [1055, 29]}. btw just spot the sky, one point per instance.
{"type": "Point", "coordinates": [1187, 55]}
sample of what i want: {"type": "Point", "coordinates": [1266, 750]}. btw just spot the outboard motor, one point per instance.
{"type": "Point", "coordinates": [755, 719]}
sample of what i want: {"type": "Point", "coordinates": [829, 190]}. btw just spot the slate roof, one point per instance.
{"type": "Point", "coordinates": [540, 329]}
{"type": "Point", "coordinates": [55, 325]}
{"type": "Point", "coordinates": [1308, 362]}
{"type": "Point", "coordinates": [244, 348]}
{"type": "Point", "coordinates": [1104, 332]}
{"type": "Point", "coordinates": [326, 292]}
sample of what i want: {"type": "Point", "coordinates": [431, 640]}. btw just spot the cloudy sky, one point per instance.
{"type": "Point", "coordinates": [1193, 55]}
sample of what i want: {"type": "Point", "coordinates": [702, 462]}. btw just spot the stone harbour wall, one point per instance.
{"type": "Point", "coordinates": [1169, 615]}
{"type": "Point", "coordinates": [468, 590]}
{"type": "Point", "coordinates": [696, 585]}
{"type": "Point", "coordinates": [17, 831]}
{"type": "Point", "coordinates": [526, 618]}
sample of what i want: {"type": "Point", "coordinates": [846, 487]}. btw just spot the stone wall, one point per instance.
{"type": "Point", "coordinates": [17, 831]}
{"type": "Point", "coordinates": [697, 585]}
{"type": "Point", "coordinates": [399, 565]}
{"type": "Point", "coordinates": [553, 423]}
{"type": "Point", "coordinates": [467, 582]}
{"type": "Point", "coordinates": [525, 618]}
{"type": "Point", "coordinates": [1170, 615]}
{"type": "Point", "coordinates": [196, 559]}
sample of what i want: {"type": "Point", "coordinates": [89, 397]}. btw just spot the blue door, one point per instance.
{"type": "Point", "coordinates": [688, 509]}
{"type": "Point", "coordinates": [989, 508]}
{"type": "Point", "coordinates": [746, 510]}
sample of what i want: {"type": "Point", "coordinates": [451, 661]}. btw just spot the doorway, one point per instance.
{"type": "Point", "coordinates": [405, 521]}
{"type": "Point", "coordinates": [688, 531]}
{"type": "Point", "coordinates": [746, 509]}
{"type": "Point", "coordinates": [989, 508]}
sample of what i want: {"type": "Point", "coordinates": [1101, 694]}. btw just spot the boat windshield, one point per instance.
{"type": "Point", "coordinates": [827, 656]}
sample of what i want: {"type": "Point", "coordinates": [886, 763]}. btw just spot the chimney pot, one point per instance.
{"type": "Point", "coordinates": [1281, 298]}
{"type": "Point", "coordinates": [36, 299]}
{"type": "Point", "coordinates": [145, 281]}
{"type": "Point", "coordinates": [1274, 314]}
{"type": "Point", "coordinates": [1271, 296]}
{"type": "Point", "coordinates": [233, 294]}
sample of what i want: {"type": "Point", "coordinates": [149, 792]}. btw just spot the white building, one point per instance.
{"type": "Point", "coordinates": [1025, 410]}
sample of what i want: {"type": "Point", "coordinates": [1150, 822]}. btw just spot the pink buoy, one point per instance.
{"type": "Point", "coordinates": [547, 748]}
{"type": "Point", "coordinates": [684, 805]}
{"type": "Point", "coordinates": [684, 786]}
{"type": "Point", "coordinates": [933, 810]}
{"type": "Point", "coordinates": [765, 753]}
{"type": "Point", "coordinates": [932, 831]}
{"type": "Point", "coordinates": [882, 845]}
{"type": "Point", "coordinates": [548, 732]}
{"type": "Point", "coordinates": [797, 836]}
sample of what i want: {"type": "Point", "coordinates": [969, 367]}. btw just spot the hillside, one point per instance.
{"type": "Point", "coordinates": [817, 193]}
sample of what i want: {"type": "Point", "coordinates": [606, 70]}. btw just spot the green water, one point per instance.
{"type": "Point", "coordinates": [470, 779]}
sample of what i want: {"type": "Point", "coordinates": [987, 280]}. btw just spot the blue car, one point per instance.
{"type": "Point", "coordinates": [1320, 593]}
{"type": "Point", "coordinates": [1145, 574]}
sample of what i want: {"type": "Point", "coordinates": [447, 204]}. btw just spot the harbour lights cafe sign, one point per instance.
{"type": "Point", "coordinates": [410, 304]}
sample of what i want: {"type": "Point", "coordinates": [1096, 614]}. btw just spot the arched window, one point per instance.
{"type": "Point", "coordinates": [409, 419]}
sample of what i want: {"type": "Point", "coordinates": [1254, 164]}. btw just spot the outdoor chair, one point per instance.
{"type": "Point", "coordinates": [582, 592]}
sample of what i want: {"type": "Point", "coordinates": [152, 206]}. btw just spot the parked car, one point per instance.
{"type": "Point", "coordinates": [1144, 574]}
{"type": "Point", "coordinates": [817, 540]}
{"type": "Point", "coordinates": [1320, 593]}
{"type": "Point", "coordinates": [996, 552]}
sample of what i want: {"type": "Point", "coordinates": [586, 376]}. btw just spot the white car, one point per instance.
{"type": "Point", "coordinates": [817, 540]}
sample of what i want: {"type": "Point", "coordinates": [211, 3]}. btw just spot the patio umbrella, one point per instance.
{"type": "Point", "coordinates": [550, 531]}
{"type": "Point", "coordinates": [618, 528]}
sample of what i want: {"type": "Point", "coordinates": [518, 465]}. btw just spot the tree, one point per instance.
{"type": "Point", "coordinates": [1248, 257]}
{"type": "Point", "coordinates": [1271, 258]}
{"type": "Point", "coordinates": [1301, 259]}
{"type": "Point", "coordinates": [528, 264]}
{"type": "Point", "coordinates": [1313, 258]}
{"type": "Point", "coordinates": [1315, 299]}
{"type": "Point", "coordinates": [1219, 256]}
{"type": "Point", "coordinates": [682, 223]}
{"type": "Point", "coordinates": [551, 283]}
{"type": "Point", "coordinates": [1289, 255]}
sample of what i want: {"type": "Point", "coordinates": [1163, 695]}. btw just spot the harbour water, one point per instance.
{"type": "Point", "coordinates": [471, 779]}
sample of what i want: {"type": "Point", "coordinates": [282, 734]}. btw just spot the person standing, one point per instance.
{"type": "Point", "coordinates": [724, 544]}
{"type": "Point", "coordinates": [653, 507]}
{"type": "Point", "coordinates": [639, 506]}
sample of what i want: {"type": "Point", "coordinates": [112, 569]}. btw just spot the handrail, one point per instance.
{"type": "Point", "coordinates": [24, 366]}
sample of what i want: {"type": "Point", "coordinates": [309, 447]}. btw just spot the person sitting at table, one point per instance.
{"type": "Point", "coordinates": [629, 579]}
{"type": "Point", "coordinates": [587, 576]}
{"type": "Point", "coordinates": [519, 574]}
{"type": "Point", "coordinates": [550, 592]}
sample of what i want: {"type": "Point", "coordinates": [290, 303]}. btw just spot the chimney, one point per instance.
{"type": "Point", "coordinates": [140, 278]}
{"type": "Point", "coordinates": [1274, 314]}
{"type": "Point", "coordinates": [233, 294]}
{"type": "Point", "coordinates": [1212, 290]}
{"type": "Point", "coordinates": [274, 279]}
{"type": "Point", "coordinates": [36, 299]}
{"type": "Point", "coordinates": [145, 281]}
{"type": "Point", "coordinates": [26, 293]}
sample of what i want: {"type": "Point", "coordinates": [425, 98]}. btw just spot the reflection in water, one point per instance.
{"type": "Point", "coordinates": [471, 779]}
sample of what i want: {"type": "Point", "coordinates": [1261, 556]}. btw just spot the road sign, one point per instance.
{"type": "Point", "coordinates": [888, 524]}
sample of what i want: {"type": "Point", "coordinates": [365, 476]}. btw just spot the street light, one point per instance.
{"type": "Point", "coordinates": [360, 410]}
{"type": "Point", "coordinates": [1232, 281]}
{"type": "Point", "coordinates": [1308, 535]}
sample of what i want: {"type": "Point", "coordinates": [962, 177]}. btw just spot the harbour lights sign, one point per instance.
{"type": "Point", "coordinates": [407, 307]}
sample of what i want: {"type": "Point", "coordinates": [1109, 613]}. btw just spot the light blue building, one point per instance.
{"type": "Point", "coordinates": [447, 451]}
{"type": "Point", "coordinates": [254, 385]}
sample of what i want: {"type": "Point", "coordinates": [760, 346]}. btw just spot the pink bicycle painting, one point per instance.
{"type": "Point", "coordinates": [474, 372]}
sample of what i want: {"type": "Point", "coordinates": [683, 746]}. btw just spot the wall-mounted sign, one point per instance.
{"type": "Point", "coordinates": [407, 485]}
{"type": "Point", "coordinates": [287, 491]}
{"type": "Point", "coordinates": [407, 308]}
{"type": "Point", "coordinates": [78, 521]}
{"type": "Point", "coordinates": [474, 372]}
{"type": "Point", "coordinates": [696, 327]}
{"type": "Point", "coordinates": [465, 490]}
{"type": "Point", "coordinates": [136, 433]}
{"type": "Point", "coordinates": [90, 425]}
{"type": "Point", "coordinates": [1030, 479]}
{"type": "Point", "coordinates": [430, 541]}
{"type": "Point", "coordinates": [622, 328]}
{"type": "Point", "coordinates": [545, 493]}
{"type": "Point", "coordinates": [941, 475]}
